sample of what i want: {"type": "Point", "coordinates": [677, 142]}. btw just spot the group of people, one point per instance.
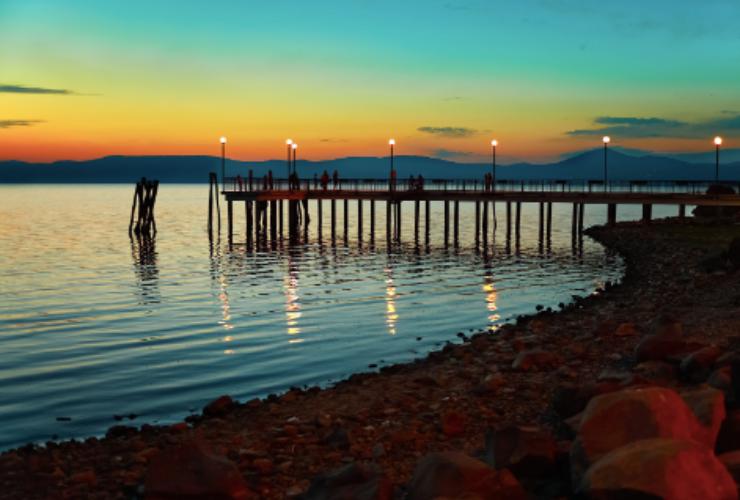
{"type": "Point", "coordinates": [488, 182]}
{"type": "Point", "coordinates": [294, 182]}
{"type": "Point", "coordinates": [325, 180]}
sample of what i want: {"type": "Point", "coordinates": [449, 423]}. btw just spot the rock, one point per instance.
{"type": "Point", "coordinates": [659, 468]}
{"type": "Point", "coordinates": [733, 252]}
{"type": "Point", "coordinates": [731, 461]}
{"type": "Point", "coordinates": [190, 470]}
{"type": "Point", "coordinates": [453, 423]}
{"type": "Point", "coordinates": [663, 348]}
{"type": "Point", "coordinates": [337, 438]}
{"type": "Point", "coordinates": [721, 379]}
{"type": "Point", "coordinates": [455, 475]}
{"type": "Point", "coordinates": [536, 360]}
{"type": "Point", "coordinates": [490, 384]}
{"type": "Point", "coordinates": [354, 481]}
{"type": "Point", "coordinates": [669, 328]}
{"type": "Point", "coordinates": [570, 399]}
{"type": "Point", "coordinates": [708, 405]}
{"type": "Point", "coordinates": [218, 407]}
{"type": "Point", "coordinates": [527, 451]}
{"type": "Point", "coordinates": [697, 366]}
{"type": "Point", "coordinates": [613, 420]}
{"type": "Point", "coordinates": [728, 438]}
{"type": "Point", "coordinates": [626, 330]}
{"type": "Point", "coordinates": [87, 477]}
{"type": "Point", "coordinates": [656, 372]}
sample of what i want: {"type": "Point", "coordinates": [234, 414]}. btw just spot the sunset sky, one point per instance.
{"type": "Point", "coordinates": [83, 79]}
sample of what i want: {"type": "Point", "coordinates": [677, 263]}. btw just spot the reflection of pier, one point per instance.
{"type": "Point", "coordinates": [264, 210]}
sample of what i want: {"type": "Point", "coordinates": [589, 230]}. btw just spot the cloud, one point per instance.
{"type": "Point", "coordinates": [453, 132]}
{"type": "Point", "coordinates": [22, 89]}
{"type": "Point", "coordinates": [638, 127]}
{"type": "Point", "coordinates": [18, 123]}
{"type": "Point", "coordinates": [332, 139]}
{"type": "Point", "coordinates": [449, 153]}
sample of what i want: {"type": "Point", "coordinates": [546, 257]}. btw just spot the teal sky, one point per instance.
{"type": "Point", "coordinates": [543, 76]}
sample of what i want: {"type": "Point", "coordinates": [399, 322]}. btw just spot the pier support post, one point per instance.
{"type": "Point", "coordinates": [508, 220]}
{"type": "Point", "coordinates": [333, 221]}
{"type": "Point", "coordinates": [248, 220]}
{"type": "Point", "coordinates": [457, 223]}
{"type": "Point", "coordinates": [346, 221]}
{"type": "Point", "coordinates": [477, 224]}
{"type": "Point", "coordinates": [398, 220]}
{"type": "Point", "coordinates": [280, 211]}
{"type": "Point", "coordinates": [541, 228]}
{"type": "Point", "coordinates": [447, 223]}
{"type": "Point", "coordinates": [230, 214]}
{"type": "Point", "coordinates": [427, 203]}
{"type": "Point", "coordinates": [257, 219]}
{"type": "Point", "coordinates": [273, 220]}
{"type": "Point", "coordinates": [549, 220]}
{"type": "Point", "coordinates": [388, 221]}
{"type": "Point", "coordinates": [484, 230]}
{"type": "Point", "coordinates": [359, 221]}
{"type": "Point", "coordinates": [518, 223]}
{"type": "Point", "coordinates": [574, 228]}
{"type": "Point", "coordinates": [306, 216]}
{"type": "Point", "coordinates": [682, 211]}
{"type": "Point", "coordinates": [372, 221]}
{"type": "Point", "coordinates": [611, 214]}
{"type": "Point", "coordinates": [416, 221]}
{"type": "Point", "coordinates": [581, 211]}
{"type": "Point", "coordinates": [647, 213]}
{"type": "Point", "coordinates": [320, 216]}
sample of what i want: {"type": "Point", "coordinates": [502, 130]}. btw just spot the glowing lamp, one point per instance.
{"type": "Point", "coordinates": [223, 140]}
{"type": "Point", "coordinates": [392, 142]}
{"type": "Point", "coordinates": [606, 139]}
{"type": "Point", "coordinates": [294, 145]}
{"type": "Point", "coordinates": [718, 141]}
{"type": "Point", "coordinates": [494, 143]}
{"type": "Point", "coordinates": [289, 142]}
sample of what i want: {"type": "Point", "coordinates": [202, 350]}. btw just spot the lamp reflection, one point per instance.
{"type": "Point", "coordinates": [292, 302]}
{"type": "Point", "coordinates": [219, 276]}
{"type": "Point", "coordinates": [489, 288]}
{"type": "Point", "coordinates": [391, 316]}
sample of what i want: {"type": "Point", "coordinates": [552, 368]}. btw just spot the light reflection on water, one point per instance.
{"type": "Point", "coordinates": [93, 324]}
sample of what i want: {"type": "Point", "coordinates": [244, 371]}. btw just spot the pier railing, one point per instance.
{"type": "Point", "coordinates": [243, 184]}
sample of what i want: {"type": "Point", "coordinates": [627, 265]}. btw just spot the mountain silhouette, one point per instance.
{"type": "Point", "coordinates": [194, 169]}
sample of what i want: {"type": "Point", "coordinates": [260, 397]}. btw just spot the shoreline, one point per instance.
{"type": "Point", "coordinates": [445, 401]}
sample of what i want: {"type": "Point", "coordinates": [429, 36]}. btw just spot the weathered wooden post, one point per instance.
{"type": "Point", "coordinates": [416, 221]}
{"type": "Point", "coordinates": [273, 220]}
{"type": "Point", "coordinates": [457, 223]}
{"type": "Point", "coordinates": [230, 218]}
{"type": "Point", "coordinates": [574, 228]}
{"type": "Point", "coordinates": [647, 213]}
{"type": "Point", "coordinates": [611, 214]}
{"type": "Point", "coordinates": [426, 222]}
{"type": "Point", "coordinates": [248, 217]}
{"type": "Point", "coordinates": [477, 223]}
{"type": "Point", "coordinates": [398, 220]}
{"type": "Point", "coordinates": [682, 211]}
{"type": "Point", "coordinates": [518, 223]}
{"type": "Point", "coordinates": [581, 211]}
{"type": "Point", "coordinates": [388, 221]}
{"type": "Point", "coordinates": [280, 211]}
{"type": "Point", "coordinates": [447, 223]}
{"type": "Point", "coordinates": [485, 224]}
{"type": "Point", "coordinates": [372, 221]}
{"type": "Point", "coordinates": [320, 215]}
{"type": "Point", "coordinates": [346, 221]}
{"type": "Point", "coordinates": [333, 220]}
{"type": "Point", "coordinates": [359, 220]}
{"type": "Point", "coordinates": [508, 219]}
{"type": "Point", "coordinates": [549, 220]}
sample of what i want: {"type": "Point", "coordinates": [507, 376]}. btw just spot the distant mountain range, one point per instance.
{"type": "Point", "coordinates": [194, 169]}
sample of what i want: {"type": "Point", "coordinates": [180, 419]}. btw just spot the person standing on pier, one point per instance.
{"type": "Point", "coordinates": [421, 183]}
{"type": "Point", "coordinates": [336, 179]}
{"type": "Point", "coordinates": [325, 180]}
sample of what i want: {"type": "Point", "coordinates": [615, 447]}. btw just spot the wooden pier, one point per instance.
{"type": "Point", "coordinates": [264, 207]}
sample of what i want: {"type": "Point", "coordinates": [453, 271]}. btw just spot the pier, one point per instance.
{"type": "Point", "coordinates": [264, 205]}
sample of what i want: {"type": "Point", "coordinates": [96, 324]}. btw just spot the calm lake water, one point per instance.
{"type": "Point", "coordinates": [94, 325]}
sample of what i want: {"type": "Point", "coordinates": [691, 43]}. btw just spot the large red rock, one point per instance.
{"type": "Point", "coordinates": [665, 468]}
{"type": "Point", "coordinates": [613, 420]}
{"type": "Point", "coordinates": [697, 366]}
{"type": "Point", "coordinates": [708, 405]}
{"type": "Point", "coordinates": [456, 475]}
{"type": "Point", "coordinates": [729, 433]}
{"type": "Point", "coordinates": [526, 451]}
{"type": "Point", "coordinates": [219, 406]}
{"type": "Point", "coordinates": [352, 482]}
{"type": "Point", "coordinates": [731, 461]}
{"type": "Point", "coordinates": [191, 471]}
{"type": "Point", "coordinates": [664, 347]}
{"type": "Point", "coordinates": [537, 360]}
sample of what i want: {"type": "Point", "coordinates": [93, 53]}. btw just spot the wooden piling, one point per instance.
{"type": "Point", "coordinates": [416, 221]}
{"type": "Point", "coordinates": [518, 224]}
{"type": "Point", "coordinates": [248, 220]}
{"type": "Point", "coordinates": [398, 220]}
{"type": "Point", "coordinates": [447, 223]}
{"type": "Point", "coordinates": [682, 211]}
{"type": "Point", "coordinates": [484, 229]}
{"type": "Point", "coordinates": [477, 224]}
{"type": "Point", "coordinates": [457, 223]}
{"type": "Point", "coordinates": [280, 210]}
{"type": "Point", "coordinates": [333, 220]}
{"type": "Point", "coordinates": [372, 221]}
{"type": "Point", "coordinates": [346, 220]}
{"type": "Point", "coordinates": [273, 220]}
{"type": "Point", "coordinates": [647, 213]}
{"type": "Point", "coordinates": [320, 216]}
{"type": "Point", "coordinates": [359, 220]}
{"type": "Point", "coordinates": [388, 221]}
{"type": "Point", "coordinates": [427, 205]}
{"type": "Point", "coordinates": [581, 211]}
{"type": "Point", "coordinates": [611, 214]}
{"type": "Point", "coordinates": [230, 217]}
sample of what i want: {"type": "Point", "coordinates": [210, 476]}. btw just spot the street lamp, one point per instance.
{"type": "Point", "coordinates": [294, 147]}
{"type": "Point", "coordinates": [717, 144]}
{"type": "Point", "coordinates": [288, 143]}
{"type": "Point", "coordinates": [606, 140]}
{"type": "Point", "coordinates": [494, 144]}
{"type": "Point", "coordinates": [391, 143]}
{"type": "Point", "coordinates": [223, 163]}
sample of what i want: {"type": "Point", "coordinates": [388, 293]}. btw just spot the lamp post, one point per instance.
{"type": "Point", "coordinates": [606, 140]}
{"type": "Point", "coordinates": [494, 144]}
{"type": "Point", "coordinates": [294, 147]}
{"type": "Point", "coordinates": [288, 143]}
{"type": "Point", "coordinates": [392, 143]}
{"type": "Point", "coordinates": [717, 144]}
{"type": "Point", "coordinates": [223, 163]}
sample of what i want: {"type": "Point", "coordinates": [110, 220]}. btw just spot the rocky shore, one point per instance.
{"type": "Point", "coordinates": [633, 391]}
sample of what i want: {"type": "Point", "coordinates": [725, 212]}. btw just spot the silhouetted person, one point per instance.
{"type": "Point", "coordinates": [264, 183]}
{"type": "Point", "coordinates": [239, 182]}
{"type": "Point", "coordinates": [325, 180]}
{"type": "Point", "coordinates": [316, 181]}
{"type": "Point", "coordinates": [251, 179]}
{"type": "Point", "coordinates": [335, 177]}
{"type": "Point", "coordinates": [421, 182]}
